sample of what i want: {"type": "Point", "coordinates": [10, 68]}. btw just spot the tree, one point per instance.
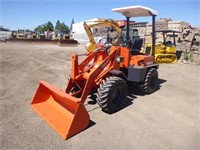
{"type": "Point", "coordinates": [61, 27]}
{"type": "Point", "coordinates": [64, 27]}
{"type": "Point", "coordinates": [44, 27]}
{"type": "Point", "coordinates": [58, 26]}
{"type": "Point", "coordinates": [27, 30]}
{"type": "Point", "coordinates": [50, 26]}
{"type": "Point", "coordinates": [39, 28]}
{"type": "Point", "coordinates": [71, 25]}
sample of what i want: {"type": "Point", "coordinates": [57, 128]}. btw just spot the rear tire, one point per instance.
{"type": "Point", "coordinates": [149, 85]}
{"type": "Point", "coordinates": [111, 94]}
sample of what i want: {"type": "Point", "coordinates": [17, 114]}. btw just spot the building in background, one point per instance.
{"type": "Point", "coordinates": [144, 28]}
{"type": "Point", "coordinates": [177, 25]}
{"type": "Point", "coordinates": [122, 23]}
{"type": "Point", "coordinates": [148, 29]}
{"type": "Point", "coordinates": [141, 27]}
{"type": "Point", "coordinates": [169, 24]}
{"type": "Point", "coordinates": [4, 33]}
{"type": "Point", "coordinates": [162, 23]}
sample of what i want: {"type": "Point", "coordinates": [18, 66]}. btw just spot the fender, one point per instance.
{"type": "Point", "coordinates": [118, 73]}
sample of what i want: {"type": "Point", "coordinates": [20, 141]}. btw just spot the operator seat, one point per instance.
{"type": "Point", "coordinates": [168, 43]}
{"type": "Point", "coordinates": [135, 45]}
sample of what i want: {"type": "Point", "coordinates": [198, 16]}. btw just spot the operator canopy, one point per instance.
{"type": "Point", "coordinates": [136, 11]}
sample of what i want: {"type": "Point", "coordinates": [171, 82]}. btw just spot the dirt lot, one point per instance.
{"type": "Point", "coordinates": [166, 119]}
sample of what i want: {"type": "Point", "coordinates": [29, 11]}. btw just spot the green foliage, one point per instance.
{"type": "Point", "coordinates": [188, 56]}
{"type": "Point", "coordinates": [45, 27]}
{"type": "Point", "coordinates": [39, 28]}
{"type": "Point", "coordinates": [27, 30]}
{"type": "Point", "coordinates": [61, 27]}
{"type": "Point", "coordinates": [58, 25]}
{"type": "Point", "coordinates": [49, 26]}
{"type": "Point", "coordinates": [191, 57]}
{"type": "Point", "coordinates": [71, 24]}
{"type": "Point", "coordinates": [185, 56]}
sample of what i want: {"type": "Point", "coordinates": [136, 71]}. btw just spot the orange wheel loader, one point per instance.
{"type": "Point", "coordinates": [107, 73]}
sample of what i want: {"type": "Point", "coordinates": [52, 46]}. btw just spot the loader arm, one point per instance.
{"type": "Point", "coordinates": [101, 23]}
{"type": "Point", "coordinates": [96, 72]}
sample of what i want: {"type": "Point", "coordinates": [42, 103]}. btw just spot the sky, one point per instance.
{"type": "Point", "coordinates": [28, 14]}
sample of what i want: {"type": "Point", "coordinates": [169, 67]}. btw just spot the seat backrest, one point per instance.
{"type": "Point", "coordinates": [136, 43]}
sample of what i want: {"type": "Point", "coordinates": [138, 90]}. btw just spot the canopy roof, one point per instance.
{"type": "Point", "coordinates": [136, 11]}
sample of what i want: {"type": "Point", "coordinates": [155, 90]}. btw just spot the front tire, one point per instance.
{"type": "Point", "coordinates": [111, 94]}
{"type": "Point", "coordinates": [74, 90]}
{"type": "Point", "coordinates": [150, 83]}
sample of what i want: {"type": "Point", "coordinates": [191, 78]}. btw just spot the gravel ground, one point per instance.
{"type": "Point", "coordinates": [166, 119]}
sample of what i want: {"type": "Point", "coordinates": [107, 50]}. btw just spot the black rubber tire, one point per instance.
{"type": "Point", "coordinates": [111, 94]}
{"type": "Point", "coordinates": [150, 83]}
{"type": "Point", "coordinates": [74, 90]}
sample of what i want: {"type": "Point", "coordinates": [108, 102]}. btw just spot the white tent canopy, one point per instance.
{"type": "Point", "coordinates": [136, 11]}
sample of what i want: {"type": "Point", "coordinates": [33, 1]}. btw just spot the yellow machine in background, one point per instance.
{"type": "Point", "coordinates": [33, 35]}
{"type": "Point", "coordinates": [101, 23]}
{"type": "Point", "coordinates": [165, 50]}
{"type": "Point", "coordinates": [62, 37]}
{"type": "Point", "coordinates": [21, 34]}
{"type": "Point", "coordinates": [163, 53]}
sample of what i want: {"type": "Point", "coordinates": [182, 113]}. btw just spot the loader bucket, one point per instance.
{"type": "Point", "coordinates": [60, 110]}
